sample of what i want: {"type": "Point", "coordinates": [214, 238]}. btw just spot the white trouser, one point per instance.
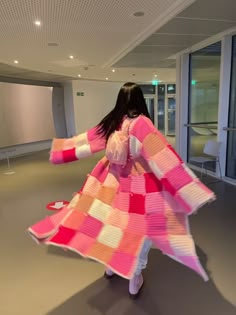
{"type": "Point", "coordinates": [143, 256]}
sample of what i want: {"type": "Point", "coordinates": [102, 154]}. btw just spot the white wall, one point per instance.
{"type": "Point", "coordinates": [99, 99]}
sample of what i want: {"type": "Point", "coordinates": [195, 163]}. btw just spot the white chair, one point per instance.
{"type": "Point", "coordinates": [212, 150]}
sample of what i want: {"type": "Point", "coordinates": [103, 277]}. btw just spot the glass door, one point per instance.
{"type": "Point", "coordinates": [203, 101]}
{"type": "Point", "coordinates": [161, 108]}
{"type": "Point", "coordinates": [171, 103]}
{"type": "Point", "coordinates": [150, 100]}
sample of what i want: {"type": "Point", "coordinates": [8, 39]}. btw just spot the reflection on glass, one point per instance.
{"type": "Point", "coordinates": [171, 116]}
{"type": "Point", "coordinates": [204, 98]}
{"type": "Point", "coordinates": [148, 88]}
{"type": "Point", "coordinates": [150, 106]}
{"type": "Point", "coordinates": [161, 108]}
{"type": "Point", "coordinates": [171, 88]}
{"type": "Point", "coordinates": [231, 146]}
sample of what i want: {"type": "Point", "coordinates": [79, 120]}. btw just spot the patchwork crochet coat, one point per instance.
{"type": "Point", "coordinates": [119, 207]}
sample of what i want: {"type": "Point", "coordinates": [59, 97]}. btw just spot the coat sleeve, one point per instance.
{"type": "Point", "coordinates": [80, 146]}
{"type": "Point", "coordinates": [176, 177]}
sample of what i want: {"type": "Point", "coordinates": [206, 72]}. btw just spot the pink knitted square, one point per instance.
{"type": "Point", "coordinates": [125, 184]}
{"type": "Point", "coordinates": [154, 202]}
{"type": "Point", "coordinates": [122, 201]}
{"type": "Point", "coordinates": [69, 155]}
{"type": "Point", "coordinates": [123, 263]}
{"type": "Point", "coordinates": [59, 215]}
{"type": "Point", "coordinates": [43, 227]}
{"type": "Point", "coordinates": [82, 243]}
{"type": "Point", "coordinates": [97, 145]}
{"type": "Point", "coordinates": [178, 177]}
{"type": "Point", "coordinates": [91, 227]}
{"type": "Point", "coordinates": [92, 134]}
{"type": "Point", "coordinates": [174, 152]}
{"type": "Point", "coordinates": [156, 223]}
{"type": "Point", "coordinates": [137, 224]}
{"type": "Point", "coordinates": [138, 185]}
{"type": "Point", "coordinates": [56, 157]}
{"type": "Point", "coordinates": [152, 183]}
{"type": "Point", "coordinates": [167, 185]}
{"type": "Point", "coordinates": [166, 160]}
{"type": "Point", "coordinates": [63, 236]}
{"type": "Point", "coordinates": [141, 129]}
{"type": "Point", "coordinates": [100, 172]}
{"type": "Point", "coordinates": [137, 204]}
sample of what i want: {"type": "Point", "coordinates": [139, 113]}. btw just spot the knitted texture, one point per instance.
{"type": "Point", "coordinates": [119, 207]}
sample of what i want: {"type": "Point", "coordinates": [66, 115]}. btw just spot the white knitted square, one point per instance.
{"type": "Point", "coordinates": [110, 236]}
{"type": "Point", "coordinates": [135, 146]}
{"type": "Point", "coordinates": [182, 245]}
{"type": "Point", "coordinates": [83, 151]}
{"type": "Point", "coordinates": [194, 194]}
{"type": "Point", "coordinates": [100, 210]}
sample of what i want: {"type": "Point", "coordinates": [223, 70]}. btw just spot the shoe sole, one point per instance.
{"type": "Point", "coordinates": [135, 296]}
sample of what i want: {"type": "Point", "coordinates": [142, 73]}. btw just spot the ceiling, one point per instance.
{"type": "Point", "coordinates": [102, 35]}
{"type": "Point", "coordinates": [201, 20]}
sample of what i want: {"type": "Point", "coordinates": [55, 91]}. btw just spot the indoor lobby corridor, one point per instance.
{"type": "Point", "coordinates": [40, 280]}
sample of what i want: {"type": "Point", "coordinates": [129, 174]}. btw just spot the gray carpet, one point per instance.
{"type": "Point", "coordinates": [39, 280]}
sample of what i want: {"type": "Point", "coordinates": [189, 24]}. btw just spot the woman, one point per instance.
{"type": "Point", "coordinates": [122, 209]}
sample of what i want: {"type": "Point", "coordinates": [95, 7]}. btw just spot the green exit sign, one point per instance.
{"type": "Point", "coordinates": [80, 93]}
{"type": "Point", "coordinates": [155, 82]}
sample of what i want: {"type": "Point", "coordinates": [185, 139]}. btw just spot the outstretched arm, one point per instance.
{"type": "Point", "coordinates": [175, 176]}
{"type": "Point", "coordinates": [77, 147]}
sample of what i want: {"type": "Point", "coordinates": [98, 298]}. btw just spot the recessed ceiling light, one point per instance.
{"type": "Point", "coordinates": [38, 23]}
{"type": "Point", "coordinates": [155, 75]}
{"type": "Point", "coordinates": [138, 14]}
{"type": "Point", "coordinates": [71, 57]}
{"type": "Point", "coordinates": [79, 75]}
{"type": "Point", "coordinates": [113, 70]}
{"type": "Point", "coordinates": [107, 78]}
{"type": "Point", "coordinates": [16, 61]}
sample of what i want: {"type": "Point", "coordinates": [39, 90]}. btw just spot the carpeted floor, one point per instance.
{"type": "Point", "coordinates": [38, 280]}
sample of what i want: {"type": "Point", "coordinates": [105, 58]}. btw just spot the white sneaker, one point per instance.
{"type": "Point", "coordinates": [108, 273]}
{"type": "Point", "coordinates": [135, 286]}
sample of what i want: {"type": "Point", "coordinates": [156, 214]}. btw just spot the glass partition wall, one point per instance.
{"type": "Point", "coordinates": [231, 130]}
{"type": "Point", "coordinates": [204, 84]}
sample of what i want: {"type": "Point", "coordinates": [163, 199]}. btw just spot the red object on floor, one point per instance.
{"type": "Point", "coordinates": [57, 205]}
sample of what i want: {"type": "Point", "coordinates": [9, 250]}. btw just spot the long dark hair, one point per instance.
{"type": "Point", "coordinates": [131, 102]}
